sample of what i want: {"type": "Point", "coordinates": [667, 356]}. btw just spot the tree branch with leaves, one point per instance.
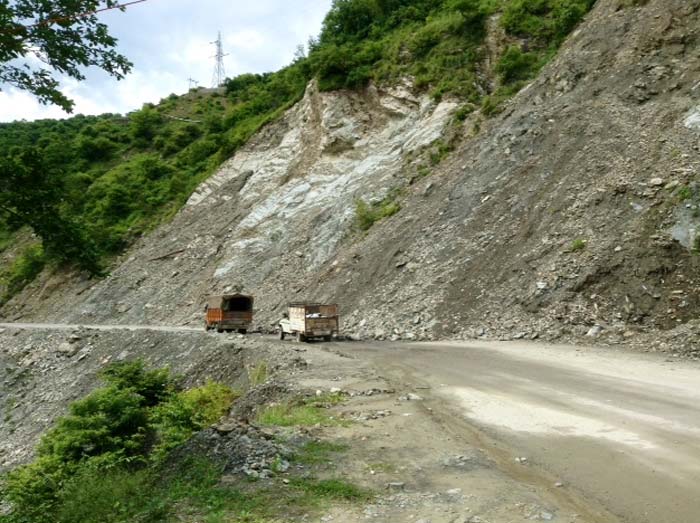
{"type": "Point", "coordinates": [42, 39]}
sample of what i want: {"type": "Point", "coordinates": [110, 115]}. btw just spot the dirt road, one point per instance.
{"type": "Point", "coordinates": [71, 327]}
{"type": "Point", "coordinates": [622, 430]}
{"type": "Point", "coordinates": [608, 431]}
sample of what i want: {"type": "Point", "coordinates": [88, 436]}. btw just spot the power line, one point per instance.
{"type": "Point", "coordinates": [84, 15]}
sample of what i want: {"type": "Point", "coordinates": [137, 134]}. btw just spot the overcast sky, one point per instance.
{"type": "Point", "coordinates": [169, 41]}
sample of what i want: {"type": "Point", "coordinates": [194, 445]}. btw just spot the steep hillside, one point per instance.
{"type": "Point", "coordinates": [572, 212]}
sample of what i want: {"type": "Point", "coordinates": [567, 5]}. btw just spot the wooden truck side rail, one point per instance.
{"type": "Point", "coordinates": [312, 320]}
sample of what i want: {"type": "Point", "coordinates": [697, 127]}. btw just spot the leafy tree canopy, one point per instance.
{"type": "Point", "coordinates": [42, 38]}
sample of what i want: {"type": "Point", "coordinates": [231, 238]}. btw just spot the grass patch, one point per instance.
{"type": "Point", "coordinates": [325, 400]}
{"type": "Point", "coordinates": [287, 415]}
{"type": "Point", "coordinates": [380, 466]}
{"type": "Point", "coordinates": [684, 193]}
{"type": "Point", "coordinates": [317, 452]}
{"type": "Point", "coordinates": [302, 412]}
{"type": "Point", "coordinates": [578, 245]}
{"type": "Point", "coordinates": [367, 214]}
{"type": "Point", "coordinates": [257, 375]}
{"type": "Point", "coordinates": [330, 488]}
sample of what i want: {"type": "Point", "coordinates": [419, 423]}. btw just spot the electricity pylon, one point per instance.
{"type": "Point", "coordinates": [219, 72]}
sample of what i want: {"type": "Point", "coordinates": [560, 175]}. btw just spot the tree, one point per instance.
{"type": "Point", "coordinates": [31, 193]}
{"type": "Point", "coordinates": [42, 38]}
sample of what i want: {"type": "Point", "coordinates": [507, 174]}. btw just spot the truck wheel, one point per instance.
{"type": "Point", "coordinates": [206, 327]}
{"type": "Point", "coordinates": [282, 334]}
{"type": "Point", "coordinates": [327, 338]}
{"type": "Point", "coordinates": [219, 329]}
{"type": "Point", "coordinates": [242, 331]}
{"type": "Point", "coordinates": [300, 337]}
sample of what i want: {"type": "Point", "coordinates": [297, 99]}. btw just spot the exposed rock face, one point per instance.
{"type": "Point", "coordinates": [277, 212]}
{"type": "Point", "coordinates": [575, 207]}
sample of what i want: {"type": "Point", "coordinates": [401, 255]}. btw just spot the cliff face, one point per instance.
{"type": "Point", "coordinates": [575, 211]}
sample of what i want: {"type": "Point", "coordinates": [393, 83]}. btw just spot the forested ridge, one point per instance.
{"type": "Point", "coordinates": [88, 186]}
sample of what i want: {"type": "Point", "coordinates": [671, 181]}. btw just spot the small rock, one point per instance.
{"type": "Point", "coordinates": [594, 331]}
{"type": "Point", "coordinates": [521, 460]}
{"type": "Point", "coordinates": [558, 484]}
{"type": "Point", "coordinates": [410, 397]}
{"type": "Point", "coordinates": [656, 182]}
{"type": "Point", "coordinates": [336, 390]}
{"type": "Point", "coordinates": [454, 492]}
{"type": "Point", "coordinates": [68, 348]}
{"type": "Point", "coordinates": [519, 335]}
{"type": "Point", "coordinates": [396, 485]}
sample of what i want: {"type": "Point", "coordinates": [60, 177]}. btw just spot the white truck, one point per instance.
{"type": "Point", "coordinates": [310, 320]}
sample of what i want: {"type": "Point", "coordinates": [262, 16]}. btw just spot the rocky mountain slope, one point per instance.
{"type": "Point", "coordinates": [573, 212]}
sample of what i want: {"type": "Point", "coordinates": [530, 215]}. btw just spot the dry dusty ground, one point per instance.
{"type": "Point", "coordinates": [427, 463]}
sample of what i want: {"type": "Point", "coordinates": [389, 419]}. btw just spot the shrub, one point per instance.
{"type": "Point", "coordinates": [367, 214]}
{"type": "Point", "coordinates": [144, 124]}
{"type": "Point", "coordinates": [92, 460]}
{"type": "Point", "coordinates": [547, 21]}
{"type": "Point", "coordinates": [22, 271]}
{"type": "Point", "coordinates": [176, 419]}
{"type": "Point", "coordinates": [515, 65]}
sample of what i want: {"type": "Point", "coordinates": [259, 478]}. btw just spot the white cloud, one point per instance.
{"type": "Point", "coordinates": [247, 40]}
{"type": "Point", "coordinates": [169, 41]}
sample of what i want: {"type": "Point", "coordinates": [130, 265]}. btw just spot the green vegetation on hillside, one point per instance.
{"type": "Point", "coordinates": [111, 460]}
{"type": "Point", "coordinates": [88, 186]}
{"type": "Point", "coordinates": [111, 441]}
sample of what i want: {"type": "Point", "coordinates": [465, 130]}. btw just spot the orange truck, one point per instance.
{"type": "Point", "coordinates": [229, 312]}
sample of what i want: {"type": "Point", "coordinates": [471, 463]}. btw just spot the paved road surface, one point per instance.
{"type": "Point", "coordinates": [621, 429]}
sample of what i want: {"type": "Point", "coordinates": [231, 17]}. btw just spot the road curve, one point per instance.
{"type": "Point", "coordinates": [621, 429]}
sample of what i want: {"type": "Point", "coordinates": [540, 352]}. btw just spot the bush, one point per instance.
{"type": "Point", "coordinates": [92, 460]}
{"type": "Point", "coordinates": [22, 271]}
{"type": "Point", "coordinates": [546, 21]}
{"type": "Point", "coordinates": [515, 65]}
{"type": "Point", "coordinates": [367, 215]}
{"type": "Point", "coordinates": [178, 418]}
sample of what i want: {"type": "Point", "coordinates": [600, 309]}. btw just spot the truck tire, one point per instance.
{"type": "Point", "coordinates": [300, 337]}
{"type": "Point", "coordinates": [219, 329]}
{"type": "Point", "coordinates": [282, 333]}
{"type": "Point", "coordinates": [327, 338]}
{"type": "Point", "coordinates": [242, 331]}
